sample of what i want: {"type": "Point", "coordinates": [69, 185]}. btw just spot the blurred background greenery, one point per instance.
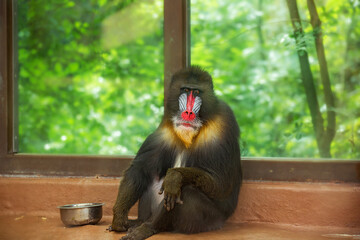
{"type": "Point", "coordinates": [91, 73]}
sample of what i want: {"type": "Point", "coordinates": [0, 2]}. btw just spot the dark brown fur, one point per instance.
{"type": "Point", "coordinates": [199, 196]}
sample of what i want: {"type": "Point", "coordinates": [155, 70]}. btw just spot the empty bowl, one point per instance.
{"type": "Point", "coordinates": [81, 213]}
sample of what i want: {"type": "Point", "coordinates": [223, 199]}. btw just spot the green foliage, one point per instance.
{"type": "Point", "coordinates": [91, 81]}
{"type": "Point", "coordinates": [251, 52]}
{"type": "Point", "coordinates": [75, 96]}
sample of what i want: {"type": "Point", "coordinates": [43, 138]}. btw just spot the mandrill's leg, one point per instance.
{"type": "Point", "coordinates": [197, 214]}
{"type": "Point", "coordinates": [161, 221]}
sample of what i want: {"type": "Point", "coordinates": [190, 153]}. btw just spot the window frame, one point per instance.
{"type": "Point", "coordinates": [176, 56]}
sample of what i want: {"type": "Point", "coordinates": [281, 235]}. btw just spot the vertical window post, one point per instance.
{"type": "Point", "coordinates": [176, 38]}
{"type": "Point", "coordinates": [7, 101]}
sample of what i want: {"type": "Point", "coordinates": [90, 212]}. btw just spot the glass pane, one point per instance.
{"type": "Point", "coordinates": [90, 74]}
{"type": "Point", "coordinates": [250, 50]}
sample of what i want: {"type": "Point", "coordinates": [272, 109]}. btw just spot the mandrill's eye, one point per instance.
{"type": "Point", "coordinates": [184, 90]}
{"type": "Point", "coordinates": [196, 92]}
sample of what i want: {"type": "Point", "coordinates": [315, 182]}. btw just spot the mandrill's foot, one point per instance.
{"type": "Point", "coordinates": [139, 233]}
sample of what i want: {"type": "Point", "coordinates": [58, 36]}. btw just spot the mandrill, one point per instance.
{"type": "Point", "coordinates": [187, 174]}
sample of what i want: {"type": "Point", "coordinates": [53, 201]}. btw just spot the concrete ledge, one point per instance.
{"type": "Point", "coordinates": [300, 204]}
{"type": "Point", "coordinates": [304, 204]}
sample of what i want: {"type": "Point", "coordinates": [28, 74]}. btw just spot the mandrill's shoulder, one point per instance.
{"type": "Point", "coordinates": [231, 120]}
{"type": "Point", "coordinates": [227, 118]}
{"type": "Point", "coordinates": [222, 125]}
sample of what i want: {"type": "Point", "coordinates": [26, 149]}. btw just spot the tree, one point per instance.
{"type": "Point", "coordinates": [324, 135]}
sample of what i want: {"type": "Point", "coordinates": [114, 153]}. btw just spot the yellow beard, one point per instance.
{"type": "Point", "coordinates": [186, 134]}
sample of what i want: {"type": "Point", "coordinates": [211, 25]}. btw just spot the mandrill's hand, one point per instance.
{"type": "Point", "coordinates": [119, 224]}
{"type": "Point", "coordinates": [122, 224]}
{"type": "Point", "coordinates": [171, 188]}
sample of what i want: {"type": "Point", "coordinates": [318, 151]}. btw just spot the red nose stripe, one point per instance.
{"type": "Point", "coordinates": [188, 114]}
{"type": "Point", "coordinates": [190, 102]}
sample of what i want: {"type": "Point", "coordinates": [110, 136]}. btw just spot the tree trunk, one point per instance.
{"type": "Point", "coordinates": [325, 79]}
{"type": "Point", "coordinates": [308, 81]}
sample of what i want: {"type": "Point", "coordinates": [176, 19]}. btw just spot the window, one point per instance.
{"type": "Point", "coordinates": [176, 46]}
{"type": "Point", "coordinates": [90, 75]}
{"type": "Point", "coordinates": [250, 48]}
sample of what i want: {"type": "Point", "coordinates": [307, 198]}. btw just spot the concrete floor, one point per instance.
{"type": "Point", "coordinates": [44, 228]}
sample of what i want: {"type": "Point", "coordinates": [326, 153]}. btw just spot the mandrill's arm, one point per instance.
{"type": "Point", "coordinates": [177, 177]}
{"type": "Point", "coordinates": [135, 182]}
{"type": "Point", "coordinates": [127, 197]}
{"type": "Point", "coordinates": [125, 200]}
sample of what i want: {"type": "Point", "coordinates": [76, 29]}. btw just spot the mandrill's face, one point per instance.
{"type": "Point", "coordinates": [187, 122]}
{"type": "Point", "coordinates": [191, 103]}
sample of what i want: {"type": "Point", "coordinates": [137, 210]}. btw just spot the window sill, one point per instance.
{"type": "Point", "coordinates": [256, 169]}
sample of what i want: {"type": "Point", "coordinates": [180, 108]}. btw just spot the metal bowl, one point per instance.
{"type": "Point", "coordinates": [81, 213]}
